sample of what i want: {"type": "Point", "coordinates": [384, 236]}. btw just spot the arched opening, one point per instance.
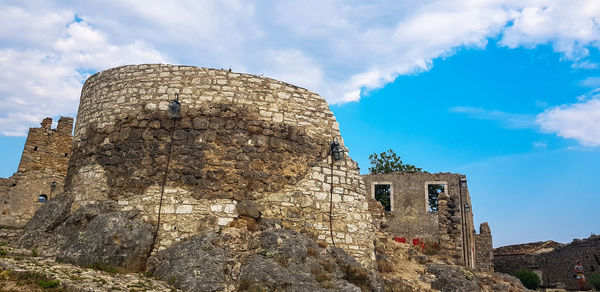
{"type": "Point", "coordinates": [42, 198]}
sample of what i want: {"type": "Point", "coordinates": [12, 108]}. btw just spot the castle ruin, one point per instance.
{"type": "Point", "coordinates": [436, 208]}
{"type": "Point", "coordinates": [552, 261]}
{"type": "Point", "coordinates": [41, 172]}
{"type": "Point", "coordinates": [180, 151]}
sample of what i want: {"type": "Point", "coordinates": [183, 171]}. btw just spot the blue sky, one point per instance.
{"type": "Point", "coordinates": [529, 185]}
{"type": "Point", "coordinates": [504, 91]}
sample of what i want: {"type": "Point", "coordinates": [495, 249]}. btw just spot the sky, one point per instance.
{"type": "Point", "coordinates": [506, 92]}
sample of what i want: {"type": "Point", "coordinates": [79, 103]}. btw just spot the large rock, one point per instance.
{"type": "Point", "coordinates": [271, 260]}
{"type": "Point", "coordinates": [38, 233]}
{"type": "Point", "coordinates": [116, 240]}
{"type": "Point", "coordinates": [193, 265]}
{"type": "Point", "coordinates": [452, 278]}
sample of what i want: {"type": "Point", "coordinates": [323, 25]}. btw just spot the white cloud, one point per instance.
{"type": "Point", "coordinates": [337, 48]}
{"type": "Point", "coordinates": [579, 121]}
{"type": "Point", "coordinates": [46, 81]}
{"type": "Point", "coordinates": [570, 25]}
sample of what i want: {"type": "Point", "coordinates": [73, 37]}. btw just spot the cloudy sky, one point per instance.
{"type": "Point", "coordinates": [507, 92]}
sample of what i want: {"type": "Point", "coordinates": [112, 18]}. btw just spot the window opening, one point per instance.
{"type": "Point", "coordinates": [42, 199]}
{"type": "Point", "coordinates": [35, 148]}
{"type": "Point", "coordinates": [383, 194]}
{"type": "Point", "coordinates": [66, 154]}
{"type": "Point", "coordinates": [433, 192]}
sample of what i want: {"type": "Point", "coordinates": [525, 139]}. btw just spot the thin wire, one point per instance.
{"type": "Point", "coordinates": [162, 189]}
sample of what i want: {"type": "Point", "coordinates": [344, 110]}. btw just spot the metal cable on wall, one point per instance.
{"type": "Point", "coordinates": [174, 114]}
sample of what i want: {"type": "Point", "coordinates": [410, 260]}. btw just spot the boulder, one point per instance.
{"type": "Point", "coordinates": [113, 241]}
{"type": "Point", "coordinates": [195, 264]}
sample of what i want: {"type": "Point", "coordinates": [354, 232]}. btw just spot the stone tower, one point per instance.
{"type": "Point", "coordinates": [41, 172]}
{"type": "Point", "coordinates": [241, 140]}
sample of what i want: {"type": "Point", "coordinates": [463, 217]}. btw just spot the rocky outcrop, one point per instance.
{"type": "Point", "coordinates": [95, 235]}
{"type": "Point", "coordinates": [272, 260]}
{"type": "Point", "coordinates": [116, 239]}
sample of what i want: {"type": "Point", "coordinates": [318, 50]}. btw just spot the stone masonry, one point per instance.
{"type": "Point", "coordinates": [45, 160]}
{"type": "Point", "coordinates": [451, 226]}
{"type": "Point", "coordinates": [484, 251]}
{"type": "Point", "coordinates": [241, 138]}
{"type": "Point", "coordinates": [553, 262]}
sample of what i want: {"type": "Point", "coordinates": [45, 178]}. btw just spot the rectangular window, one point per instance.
{"type": "Point", "coordinates": [383, 195]}
{"type": "Point", "coordinates": [433, 191]}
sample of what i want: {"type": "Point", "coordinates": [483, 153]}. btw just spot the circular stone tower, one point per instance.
{"type": "Point", "coordinates": [241, 140]}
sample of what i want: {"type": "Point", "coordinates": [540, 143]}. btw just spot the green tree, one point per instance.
{"type": "Point", "coordinates": [434, 191]}
{"type": "Point", "coordinates": [382, 194]}
{"type": "Point", "coordinates": [529, 279]}
{"type": "Point", "coordinates": [387, 162]}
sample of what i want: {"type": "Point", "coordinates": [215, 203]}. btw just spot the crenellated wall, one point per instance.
{"type": "Point", "coordinates": [240, 138]}
{"type": "Point", "coordinates": [44, 160]}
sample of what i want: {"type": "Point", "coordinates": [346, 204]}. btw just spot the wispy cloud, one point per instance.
{"type": "Point", "coordinates": [339, 49]}
{"type": "Point", "coordinates": [579, 121]}
{"type": "Point", "coordinates": [593, 81]}
{"type": "Point", "coordinates": [507, 120]}
{"type": "Point", "coordinates": [540, 144]}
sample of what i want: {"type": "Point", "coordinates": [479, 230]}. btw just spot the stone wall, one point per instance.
{"type": "Point", "coordinates": [44, 160]}
{"type": "Point", "coordinates": [484, 251]}
{"type": "Point", "coordinates": [451, 225]}
{"type": "Point", "coordinates": [240, 138]}
{"type": "Point", "coordinates": [555, 265]}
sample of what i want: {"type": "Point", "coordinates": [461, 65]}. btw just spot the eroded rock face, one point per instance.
{"type": "Point", "coordinates": [272, 260]}
{"type": "Point", "coordinates": [116, 240]}
{"type": "Point", "coordinates": [95, 235]}
{"type": "Point", "coordinates": [194, 265]}
{"type": "Point", "coordinates": [452, 278]}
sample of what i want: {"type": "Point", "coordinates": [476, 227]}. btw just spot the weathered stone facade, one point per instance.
{"type": "Point", "coordinates": [552, 261]}
{"type": "Point", "coordinates": [484, 251]}
{"type": "Point", "coordinates": [451, 225]}
{"type": "Point", "coordinates": [240, 138]}
{"type": "Point", "coordinates": [45, 160]}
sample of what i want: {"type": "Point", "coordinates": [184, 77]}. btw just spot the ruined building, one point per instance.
{"type": "Point", "coordinates": [436, 208]}
{"type": "Point", "coordinates": [552, 261]}
{"type": "Point", "coordinates": [41, 172]}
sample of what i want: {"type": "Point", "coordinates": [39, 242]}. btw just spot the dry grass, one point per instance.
{"type": "Point", "coordinates": [384, 266]}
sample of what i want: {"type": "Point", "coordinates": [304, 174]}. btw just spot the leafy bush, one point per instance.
{"type": "Point", "coordinates": [595, 281]}
{"type": "Point", "coordinates": [529, 279]}
{"type": "Point", "coordinates": [46, 284]}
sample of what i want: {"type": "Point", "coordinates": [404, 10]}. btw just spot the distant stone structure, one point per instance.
{"type": "Point", "coordinates": [445, 218]}
{"type": "Point", "coordinates": [41, 172]}
{"type": "Point", "coordinates": [552, 261]}
{"type": "Point", "coordinates": [244, 147]}
{"type": "Point", "coordinates": [484, 250]}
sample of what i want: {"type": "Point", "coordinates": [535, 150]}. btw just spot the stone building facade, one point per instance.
{"type": "Point", "coordinates": [449, 224]}
{"type": "Point", "coordinates": [553, 262]}
{"type": "Point", "coordinates": [41, 172]}
{"type": "Point", "coordinates": [242, 140]}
